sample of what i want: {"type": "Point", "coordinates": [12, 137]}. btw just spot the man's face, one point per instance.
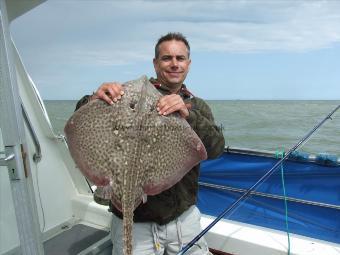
{"type": "Point", "coordinates": [172, 64]}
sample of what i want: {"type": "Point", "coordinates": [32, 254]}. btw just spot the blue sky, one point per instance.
{"type": "Point", "coordinates": [246, 49]}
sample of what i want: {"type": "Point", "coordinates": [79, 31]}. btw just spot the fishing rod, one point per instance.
{"type": "Point", "coordinates": [234, 206]}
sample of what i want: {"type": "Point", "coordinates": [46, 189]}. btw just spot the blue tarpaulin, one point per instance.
{"type": "Point", "coordinates": [313, 190]}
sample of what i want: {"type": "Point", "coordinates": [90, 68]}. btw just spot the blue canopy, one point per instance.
{"type": "Point", "coordinates": [313, 191]}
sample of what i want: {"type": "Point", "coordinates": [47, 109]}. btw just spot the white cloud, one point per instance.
{"type": "Point", "coordinates": [125, 31]}
{"type": "Point", "coordinates": [61, 41]}
{"type": "Point", "coordinates": [266, 25]}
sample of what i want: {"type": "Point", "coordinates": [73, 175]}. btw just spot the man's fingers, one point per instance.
{"type": "Point", "coordinates": [118, 91]}
{"type": "Point", "coordinates": [181, 108]}
{"type": "Point", "coordinates": [110, 92]}
{"type": "Point", "coordinates": [172, 103]}
{"type": "Point", "coordinates": [170, 109]}
{"type": "Point", "coordinates": [106, 98]}
{"type": "Point", "coordinates": [168, 100]}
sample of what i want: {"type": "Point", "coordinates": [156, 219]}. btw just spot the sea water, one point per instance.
{"type": "Point", "coordinates": [261, 125]}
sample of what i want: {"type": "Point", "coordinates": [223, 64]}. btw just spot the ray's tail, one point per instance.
{"type": "Point", "coordinates": [128, 206]}
{"type": "Point", "coordinates": [127, 223]}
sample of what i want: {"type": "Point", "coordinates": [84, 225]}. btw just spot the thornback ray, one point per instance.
{"type": "Point", "coordinates": [129, 150]}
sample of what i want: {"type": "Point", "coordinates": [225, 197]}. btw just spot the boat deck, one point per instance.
{"type": "Point", "coordinates": [80, 239]}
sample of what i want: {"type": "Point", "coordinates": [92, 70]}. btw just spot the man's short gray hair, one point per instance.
{"type": "Point", "coordinates": [169, 37]}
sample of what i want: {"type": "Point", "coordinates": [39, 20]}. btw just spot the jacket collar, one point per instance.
{"type": "Point", "coordinates": [183, 91]}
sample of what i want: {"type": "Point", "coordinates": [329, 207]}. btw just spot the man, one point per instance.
{"type": "Point", "coordinates": [169, 220]}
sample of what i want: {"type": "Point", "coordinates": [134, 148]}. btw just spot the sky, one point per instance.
{"type": "Point", "coordinates": [240, 50]}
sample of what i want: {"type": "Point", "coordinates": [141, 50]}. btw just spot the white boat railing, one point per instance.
{"type": "Point", "coordinates": [312, 158]}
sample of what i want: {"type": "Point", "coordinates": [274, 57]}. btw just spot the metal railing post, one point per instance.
{"type": "Point", "coordinates": [13, 136]}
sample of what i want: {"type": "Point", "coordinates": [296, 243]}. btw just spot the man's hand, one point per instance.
{"type": "Point", "coordinates": [172, 103]}
{"type": "Point", "coordinates": [110, 92]}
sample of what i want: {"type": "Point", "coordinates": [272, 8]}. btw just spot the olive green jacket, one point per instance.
{"type": "Point", "coordinates": [171, 203]}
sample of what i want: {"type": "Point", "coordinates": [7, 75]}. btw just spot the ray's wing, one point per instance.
{"type": "Point", "coordinates": [98, 136]}
{"type": "Point", "coordinates": [171, 150]}
{"type": "Point", "coordinates": [85, 128]}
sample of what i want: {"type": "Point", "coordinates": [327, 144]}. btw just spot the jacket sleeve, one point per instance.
{"type": "Point", "coordinates": [83, 101]}
{"type": "Point", "coordinates": [202, 121]}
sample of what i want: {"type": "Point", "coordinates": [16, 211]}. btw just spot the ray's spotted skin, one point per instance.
{"type": "Point", "coordinates": [129, 150]}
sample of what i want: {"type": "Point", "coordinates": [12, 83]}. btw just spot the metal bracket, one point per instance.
{"type": "Point", "coordinates": [10, 163]}
{"type": "Point", "coordinates": [37, 155]}
{"type": "Point", "coordinates": [4, 161]}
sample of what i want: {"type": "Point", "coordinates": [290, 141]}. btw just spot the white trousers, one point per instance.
{"type": "Point", "coordinates": [153, 239]}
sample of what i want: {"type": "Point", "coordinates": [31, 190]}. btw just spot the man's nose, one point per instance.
{"type": "Point", "coordinates": [174, 63]}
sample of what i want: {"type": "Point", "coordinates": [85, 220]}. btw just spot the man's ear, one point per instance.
{"type": "Point", "coordinates": [155, 63]}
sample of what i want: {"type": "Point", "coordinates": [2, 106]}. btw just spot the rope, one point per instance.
{"type": "Point", "coordinates": [281, 154]}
